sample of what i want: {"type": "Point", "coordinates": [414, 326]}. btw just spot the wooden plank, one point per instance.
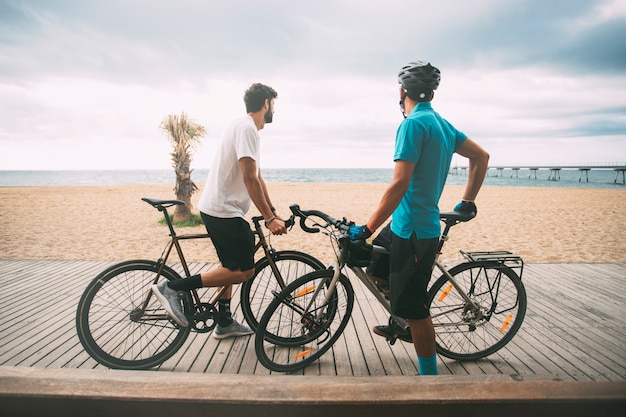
{"type": "Point", "coordinates": [576, 328]}
{"type": "Point", "coordinates": [341, 354]}
{"type": "Point", "coordinates": [585, 332]}
{"type": "Point", "coordinates": [352, 348]}
{"type": "Point", "coordinates": [602, 339]}
{"type": "Point", "coordinates": [43, 329]}
{"type": "Point", "coordinates": [373, 314]}
{"type": "Point", "coordinates": [36, 286]}
{"type": "Point", "coordinates": [526, 358]}
{"type": "Point", "coordinates": [575, 306]}
{"type": "Point", "coordinates": [68, 392]}
{"type": "Point", "coordinates": [582, 297]}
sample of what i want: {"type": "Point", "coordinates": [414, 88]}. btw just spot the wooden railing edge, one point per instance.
{"type": "Point", "coordinates": [68, 392]}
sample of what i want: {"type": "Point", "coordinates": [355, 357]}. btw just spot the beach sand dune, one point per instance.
{"type": "Point", "coordinates": [543, 225]}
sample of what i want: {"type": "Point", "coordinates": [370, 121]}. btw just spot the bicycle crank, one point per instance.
{"type": "Point", "coordinates": [205, 320]}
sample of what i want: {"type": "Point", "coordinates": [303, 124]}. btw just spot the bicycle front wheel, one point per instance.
{"type": "Point", "coordinates": [465, 333]}
{"type": "Point", "coordinates": [270, 277]}
{"type": "Point", "coordinates": [304, 321]}
{"type": "Point", "coordinates": [121, 324]}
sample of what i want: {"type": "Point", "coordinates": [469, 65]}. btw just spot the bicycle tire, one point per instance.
{"type": "Point", "coordinates": [308, 337]}
{"type": "Point", "coordinates": [460, 336]}
{"type": "Point", "coordinates": [259, 291]}
{"type": "Point", "coordinates": [112, 327]}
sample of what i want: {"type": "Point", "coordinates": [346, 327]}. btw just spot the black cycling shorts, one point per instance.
{"type": "Point", "coordinates": [411, 266]}
{"type": "Point", "coordinates": [233, 240]}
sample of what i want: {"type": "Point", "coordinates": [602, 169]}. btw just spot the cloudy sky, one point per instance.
{"type": "Point", "coordinates": [84, 84]}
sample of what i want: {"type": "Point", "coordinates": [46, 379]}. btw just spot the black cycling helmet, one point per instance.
{"type": "Point", "coordinates": [419, 76]}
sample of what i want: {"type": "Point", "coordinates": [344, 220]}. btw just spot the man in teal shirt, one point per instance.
{"type": "Point", "coordinates": [425, 144]}
{"type": "Point", "coordinates": [428, 141]}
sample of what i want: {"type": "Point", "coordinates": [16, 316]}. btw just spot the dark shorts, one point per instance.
{"type": "Point", "coordinates": [379, 262]}
{"type": "Point", "coordinates": [233, 240]}
{"type": "Point", "coordinates": [411, 266]}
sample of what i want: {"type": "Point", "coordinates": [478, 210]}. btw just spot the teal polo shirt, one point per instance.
{"type": "Point", "coordinates": [429, 141]}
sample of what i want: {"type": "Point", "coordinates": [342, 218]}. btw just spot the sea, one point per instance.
{"type": "Point", "coordinates": [567, 178]}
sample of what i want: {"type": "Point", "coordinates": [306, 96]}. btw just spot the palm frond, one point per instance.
{"type": "Point", "coordinates": [184, 134]}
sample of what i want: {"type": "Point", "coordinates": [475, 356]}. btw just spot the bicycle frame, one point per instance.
{"type": "Point", "coordinates": [121, 324]}
{"type": "Point", "coordinates": [174, 242]}
{"type": "Point", "coordinates": [363, 277]}
{"type": "Point", "coordinates": [485, 308]}
{"type": "Point", "coordinates": [442, 241]}
{"type": "Point", "coordinates": [371, 286]}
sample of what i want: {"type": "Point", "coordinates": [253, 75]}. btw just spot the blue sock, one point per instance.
{"type": "Point", "coordinates": [428, 366]}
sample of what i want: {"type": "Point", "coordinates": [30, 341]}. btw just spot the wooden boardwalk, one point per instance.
{"type": "Point", "coordinates": [575, 328]}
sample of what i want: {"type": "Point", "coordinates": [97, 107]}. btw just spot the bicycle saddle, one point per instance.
{"type": "Point", "coordinates": [163, 203]}
{"type": "Point", "coordinates": [457, 216]}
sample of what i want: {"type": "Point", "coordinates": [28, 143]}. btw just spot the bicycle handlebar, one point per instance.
{"type": "Point", "coordinates": [288, 223]}
{"type": "Point", "coordinates": [449, 218]}
{"type": "Point", "coordinates": [342, 224]}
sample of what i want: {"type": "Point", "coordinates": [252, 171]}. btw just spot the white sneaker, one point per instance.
{"type": "Point", "coordinates": [170, 300]}
{"type": "Point", "coordinates": [234, 329]}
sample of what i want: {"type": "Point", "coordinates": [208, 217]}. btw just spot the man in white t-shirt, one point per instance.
{"type": "Point", "coordinates": [233, 184]}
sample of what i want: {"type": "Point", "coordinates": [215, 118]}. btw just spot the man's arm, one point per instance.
{"type": "Point", "coordinates": [478, 164]}
{"type": "Point", "coordinates": [266, 193]}
{"type": "Point", "coordinates": [255, 188]}
{"type": "Point", "coordinates": [393, 194]}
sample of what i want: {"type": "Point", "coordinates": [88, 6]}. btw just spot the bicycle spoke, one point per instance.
{"type": "Point", "coordinates": [300, 325]}
{"type": "Point", "coordinates": [114, 328]}
{"type": "Point", "coordinates": [258, 292]}
{"type": "Point", "coordinates": [466, 333]}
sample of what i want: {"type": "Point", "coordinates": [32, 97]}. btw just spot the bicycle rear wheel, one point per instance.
{"type": "Point", "coordinates": [121, 324]}
{"type": "Point", "coordinates": [258, 292]}
{"type": "Point", "coordinates": [303, 321]}
{"type": "Point", "coordinates": [465, 334]}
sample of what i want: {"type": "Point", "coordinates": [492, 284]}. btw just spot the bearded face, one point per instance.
{"type": "Point", "coordinates": [269, 114]}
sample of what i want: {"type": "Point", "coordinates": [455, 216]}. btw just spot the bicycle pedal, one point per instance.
{"type": "Point", "coordinates": [392, 340]}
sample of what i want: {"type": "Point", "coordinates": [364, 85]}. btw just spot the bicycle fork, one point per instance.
{"type": "Point", "coordinates": [310, 318]}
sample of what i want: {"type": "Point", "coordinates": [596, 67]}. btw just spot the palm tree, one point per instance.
{"type": "Point", "coordinates": [184, 134]}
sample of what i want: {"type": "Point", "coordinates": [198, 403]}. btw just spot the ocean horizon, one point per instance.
{"type": "Point", "coordinates": [567, 178]}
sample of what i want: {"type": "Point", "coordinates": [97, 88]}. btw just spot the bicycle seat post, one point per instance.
{"type": "Point", "coordinates": [444, 236]}
{"type": "Point", "coordinates": [167, 220]}
{"type": "Point", "coordinates": [450, 219]}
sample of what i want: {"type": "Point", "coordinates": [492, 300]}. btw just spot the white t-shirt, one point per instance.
{"type": "Point", "coordinates": [225, 195]}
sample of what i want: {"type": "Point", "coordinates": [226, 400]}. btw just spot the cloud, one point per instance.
{"type": "Point", "coordinates": [92, 73]}
{"type": "Point", "coordinates": [151, 39]}
{"type": "Point", "coordinates": [597, 51]}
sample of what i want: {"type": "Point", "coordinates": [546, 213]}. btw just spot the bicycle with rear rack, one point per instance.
{"type": "Point", "coordinates": [476, 306]}
{"type": "Point", "coordinates": [122, 325]}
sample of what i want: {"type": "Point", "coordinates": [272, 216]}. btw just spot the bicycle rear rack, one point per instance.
{"type": "Point", "coordinates": [504, 258]}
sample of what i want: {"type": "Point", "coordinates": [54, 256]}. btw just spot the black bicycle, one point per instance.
{"type": "Point", "coordinates": [476, 307]}
{"type": "Point", "coordinates": [122, 325]}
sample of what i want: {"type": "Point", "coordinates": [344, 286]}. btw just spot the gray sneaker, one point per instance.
{"type": "Point", "coordinates": [232, 330]}
{"type": "Point", "coordinates": [171, 302]}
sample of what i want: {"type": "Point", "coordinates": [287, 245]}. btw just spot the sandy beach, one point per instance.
{"type": "Point", "coordinates": [543, 225]}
